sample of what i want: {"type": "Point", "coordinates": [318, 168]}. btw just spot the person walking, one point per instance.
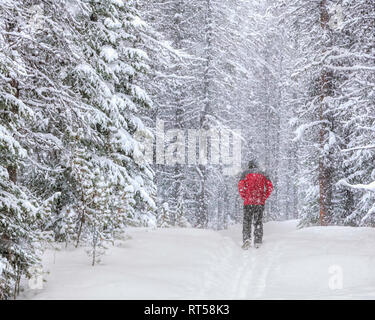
{"type": "Point", "coordinates": [255, 188]}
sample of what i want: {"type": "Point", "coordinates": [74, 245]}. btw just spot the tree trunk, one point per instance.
{"type": "Point", "coordinates": [324, 184]}
{"type": "Point", "coordinates": [12, 169]}
{"type": "Point", "coordinates": [202, 197]}
{"type": "Point", "coordinates": [12, 172]}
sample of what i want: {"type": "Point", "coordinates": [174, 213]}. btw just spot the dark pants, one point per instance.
{"type": "Point", "coordinates": [253, 213]}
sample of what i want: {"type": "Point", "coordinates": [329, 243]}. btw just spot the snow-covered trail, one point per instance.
{"type": "Point", "coordinates": [313, 263]}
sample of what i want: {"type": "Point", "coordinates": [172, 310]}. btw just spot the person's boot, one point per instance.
{"type": "Point", "coordinates": [247, 244]}
{"type": "Point", "coordinates": [257, 245]}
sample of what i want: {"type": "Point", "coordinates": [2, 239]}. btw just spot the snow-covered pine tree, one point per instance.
{"type": "Point", "coordinates": [107, 81]}
{"type": "Point", "coordinates": [44, 36]}
{"type": "Point", "coordinates": [164, 216]}
{"type": "Point", "coordinates": [100, 222]}
{"type": "Point", "coordinates": [83, 171]}
{"type": "Point", "coordinates": [181, 220]}
{"type": "Point", "coordinates": [354, 62]}
{"type": "Point", "coordinates": [336, 112]}
{"type": "Point", "coordinates": [17, 210]}
{"type": "Point", "coordinates": [97, 220]}
{"type": "Point", "coordinates": [173, 87]}
{"type": "Point", "coordinates": [317, 127]}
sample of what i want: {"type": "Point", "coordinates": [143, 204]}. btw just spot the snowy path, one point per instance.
{"type": "Point", "coordinates": [313, 263]}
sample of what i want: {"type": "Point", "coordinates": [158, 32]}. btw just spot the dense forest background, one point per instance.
{"type": "Point", "coordinates": [84, 83]}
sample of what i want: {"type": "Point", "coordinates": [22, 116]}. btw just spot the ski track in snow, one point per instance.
{"type": "Point", "coordinates": [218, 279]}
{"type": "Point", "coordinates": [251, 279]}
{"type": "Point", "coordinates": [271, 261]}
{"type": "Point", "coordinates": [245, 275]}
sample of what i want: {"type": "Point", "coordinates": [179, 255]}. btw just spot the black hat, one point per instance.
{"type": "Point", "coordinates": [252, 164]}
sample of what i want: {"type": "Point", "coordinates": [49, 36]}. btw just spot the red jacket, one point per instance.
{"type": "Point", "coordinates": [255, 188]}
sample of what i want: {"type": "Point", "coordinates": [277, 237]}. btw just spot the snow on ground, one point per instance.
{"type": "Point", "coordinates": [312, 263]}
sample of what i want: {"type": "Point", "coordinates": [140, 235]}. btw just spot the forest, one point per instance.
{"type": "Point", "coordinates": [99, 100]}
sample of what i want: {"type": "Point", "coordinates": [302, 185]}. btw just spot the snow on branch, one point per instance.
{"type": "Point", "coordinates": [367, 187]}
{"type": "Point", "coordinates": [371, 146]}
{"type": "Point", "coordinates": [302, 128]}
